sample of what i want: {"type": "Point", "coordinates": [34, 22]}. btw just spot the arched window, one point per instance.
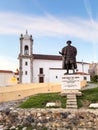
{"type": "Point", "coordinates": [26, 50]}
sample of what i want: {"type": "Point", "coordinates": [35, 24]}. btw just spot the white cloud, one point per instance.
{"type": "Point", "coordinates": [7, 63]}
{"type": "Point", "coordinates": [11, 23]}
{"type": "Point", "coordinates": [88, 9]}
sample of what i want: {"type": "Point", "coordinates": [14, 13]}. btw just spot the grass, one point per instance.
{"type": "Point", "coordinates": [88, 96]}
{"type": "Point", "coordinates": [40, 100]}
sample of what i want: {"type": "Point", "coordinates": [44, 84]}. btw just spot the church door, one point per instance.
{"type": "Point", "coordinates": [41, 79]}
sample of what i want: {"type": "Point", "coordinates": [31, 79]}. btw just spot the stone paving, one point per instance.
{"type": "Point", "coordinates": [48, 119]}
{"type": "Point", "coordinates": [90, 85]}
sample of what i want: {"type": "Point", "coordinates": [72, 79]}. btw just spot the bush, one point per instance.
{"type": "Point", "coordinates": [94, 78]}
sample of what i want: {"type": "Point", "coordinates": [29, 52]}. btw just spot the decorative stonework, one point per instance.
{"type": "Point", "coordinates": [48, 119]}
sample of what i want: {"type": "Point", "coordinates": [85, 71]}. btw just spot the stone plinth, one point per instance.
{"type": "Point", "coordinates": [71, 84]}
{"type": "Point", "coordinates": [71, 81]}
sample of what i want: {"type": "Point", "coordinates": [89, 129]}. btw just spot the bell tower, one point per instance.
{"type": "Point", "coordinates": [26, 59]}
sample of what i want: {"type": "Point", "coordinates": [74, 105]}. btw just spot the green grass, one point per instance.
{"type": "Point", "coordinates": [40, 100]}
{"type": "Point", "coordinates": [88, 96]}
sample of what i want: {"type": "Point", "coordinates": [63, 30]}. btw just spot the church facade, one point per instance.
{"type": "Point", "coordinates": [37, 68]}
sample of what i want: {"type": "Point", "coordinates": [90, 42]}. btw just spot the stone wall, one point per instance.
{"type": "Point", "coordinates": [21, 91]}
{"type": "Point", "coordinates": [48, 119]}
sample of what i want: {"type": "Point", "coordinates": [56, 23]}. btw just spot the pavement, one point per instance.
{"type": "Point", "coordinates": [90, 85]}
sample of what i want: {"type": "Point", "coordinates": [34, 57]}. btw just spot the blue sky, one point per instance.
{"type": "Point", "coordinates": [51, 23]}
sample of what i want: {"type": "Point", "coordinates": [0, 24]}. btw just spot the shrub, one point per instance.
{"type": "Point", "coordinates": [94, 78]}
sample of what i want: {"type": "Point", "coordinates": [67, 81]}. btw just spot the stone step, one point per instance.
{"type": "Point", "coordinates": [71, 103]}
{"type": "Point", "coordinates": [72, 100]}
{"type": "Point", "coordinates": [74, 92]}
{"type": "Point", "coordinates": [69, 95]}
{"type": "Point", "coordinates": [71, 106]}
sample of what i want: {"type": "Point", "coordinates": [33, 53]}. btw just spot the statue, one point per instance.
{"type": "Point", "coordinates": [69, 57]}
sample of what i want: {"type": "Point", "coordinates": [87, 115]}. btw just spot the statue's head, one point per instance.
{"type": "Point", "coordinates": [68, 42]}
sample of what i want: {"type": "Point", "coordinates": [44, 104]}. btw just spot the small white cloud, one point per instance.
{"type": "Point", "coordinates": [88, 8]}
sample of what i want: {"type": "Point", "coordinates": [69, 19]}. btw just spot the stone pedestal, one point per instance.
{"type": "Point", "coordinates": [71, 84]}
{"type": "Point", "coordinates": [71, 81]}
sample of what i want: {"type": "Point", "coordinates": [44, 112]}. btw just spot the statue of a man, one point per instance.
{"type": "Point", "coordinates": [69, 57]}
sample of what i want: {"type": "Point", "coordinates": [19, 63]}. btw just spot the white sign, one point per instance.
{"type": "Point", "coordinates": [71, 82]}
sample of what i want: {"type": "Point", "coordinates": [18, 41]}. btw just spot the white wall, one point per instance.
{"type": "Point", "coordinates": [52, 75]}
{"type": "Point", "coordinates": [45, 64]}
{"type": "Point", "coordinates": [82, 68]}
{"type": "Point", "coordinates": [6, 79]}
{"type": "Point", "coordinates": [26, 78]}
{"type": "Point", "coordinates": [56, 76]}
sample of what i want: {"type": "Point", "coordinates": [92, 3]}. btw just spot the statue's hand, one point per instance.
{"type": "Point", "coordinates": [60, 52]}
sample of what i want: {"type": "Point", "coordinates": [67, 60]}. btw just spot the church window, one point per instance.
{"type": "Point", "coordinates": [85, 78]}
{"type": "Point", "coordinates": [41, 79]}
{"type": "Point", "coordinates": [26, 72]}
{"type": "Point", "coordinates": [41, 70]}
{"type": "Point", "coordinates": [56, 77]}
{"type": "Point", "coordinates": [26, 50]}
{"type": "Point", "coordinates": [26, 63]}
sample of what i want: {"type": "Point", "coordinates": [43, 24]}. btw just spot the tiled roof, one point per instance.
{"type": "Point", "coordinates": [16, 73]}
{"type": "Point", "coordinates": [6, 71]}
{"type": "Point", "coordinates": [51, 57]}
{"type": "Point", "coordinates": [47, 57]}
{"type": "Point", "coordinates": [9, 72]}
{"type": "Point", "coordinates": [82, 73]}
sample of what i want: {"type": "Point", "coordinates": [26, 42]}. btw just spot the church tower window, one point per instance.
{"type": "Point", "coordinates": [26, 72]}
{"type": "Point", "coordinates": [26, 50]}
{"type": "Point", "coordinates": [26, 63]}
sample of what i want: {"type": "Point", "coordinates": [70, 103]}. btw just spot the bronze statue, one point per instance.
{"type": "Point", "coordinates": [69, 57]}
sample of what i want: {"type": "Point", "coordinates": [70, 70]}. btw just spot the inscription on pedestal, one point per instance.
{"type": "Point", "coordinates": [71, 82]}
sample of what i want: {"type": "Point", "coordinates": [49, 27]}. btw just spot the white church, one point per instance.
{"type": "Point", "coordinates": [38, 68]}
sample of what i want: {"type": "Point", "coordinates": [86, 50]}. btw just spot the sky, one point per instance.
{"type": "Point", "coordinates": [51, 23]}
